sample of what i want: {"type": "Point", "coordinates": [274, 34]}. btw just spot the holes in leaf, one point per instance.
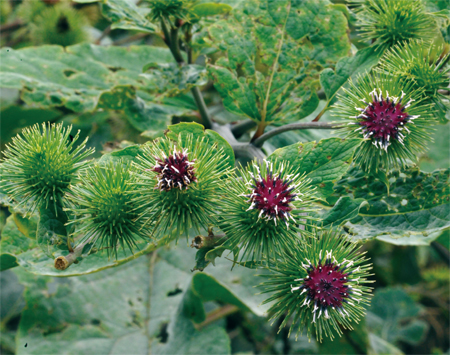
{"type": "Point", "coordinates": [174, 292]}
{"type": "Point", "coordinates": [96, 322]}
{"type": "Point", "coordinates": [114, 69]}
{"type": "Point", "coordinates": [69, 72]}
{"type": "Point", "coordinates": [163, 335]}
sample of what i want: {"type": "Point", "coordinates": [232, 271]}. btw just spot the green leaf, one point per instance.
{"type": "Point", "coordinates": [210, 9]}
{"type": "Point", "coordinates": [437, 156]}
{"type": "Point", "coordinates": [393, 317]}
{"type": "Point", "coordinates": [271, 47]}
{"type": "Point", "coordinates": [19, 250]}
{"type": "Point", "coordinates": [74, 76]}
{"type": "Point", "coordinates": [378, 346]}
{"type": "Point", "coordinates": [133, 308]}
{"type": "Point", "coordinates": [123, 310]}
{"type": "Point", "coordinates": [236, 285]}
{"type": "Point", "coordinates": [324, 162]}
{"type": "Point", "coordinates": [13, 244]}
{"type": "Point", "coordinates": [51, 232]}
{"type": "Point", "coordinates": [149, 117]}
{"type": "Point", "coordinates": [348, 67]}
{"type": "Point", "coordinates": [418, 205]}
{"type": "Point", "coordinates": [15, 118]}
{"type": "Point", "coordinates": [198, 131]}
{"type": "Point", "coordinates": [126, 15]}
{"type": "Point", "coordinates": [171, 79]}
{"type": "Point", "coordinates": [345, 209]}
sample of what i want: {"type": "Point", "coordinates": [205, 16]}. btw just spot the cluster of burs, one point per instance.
{"type": "Point", "coordinates": [265, 209]}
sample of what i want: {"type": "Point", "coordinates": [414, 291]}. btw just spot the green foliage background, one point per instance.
{"type": "Point", "coordinates": [119, 84]}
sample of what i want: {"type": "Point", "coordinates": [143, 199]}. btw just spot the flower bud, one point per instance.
{"type": "Point", "coordinates": [41, 164]}
{"type": "Point", "coordinates": [104, 207]}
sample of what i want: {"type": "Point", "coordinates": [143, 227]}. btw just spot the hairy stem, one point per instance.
{"type": "Point", "coordinates": [294, 126]}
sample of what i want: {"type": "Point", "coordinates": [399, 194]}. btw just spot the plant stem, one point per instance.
{"type": "Point", "coordinates": [63, 262]}
{"type": "Point", "coordinates": [172, 42]}
{"type": "Point", "coordinates": [201, 107]}
{"type": "Point", "coordinates": [241, 127]}
{"type": "Point", "coordinates": [217, 314]}
{"type": "Point", "coordinates": [241, 150]}
{"type": "Point", "coordinates": [442, 251]}
{"type": "Point", "coordinates": [291, 127]}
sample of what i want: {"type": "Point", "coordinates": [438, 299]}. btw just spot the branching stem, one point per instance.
{"type": "Point", "coordinates": [291, 127]}
{"type": "Point", "coordinates": [172, 41]}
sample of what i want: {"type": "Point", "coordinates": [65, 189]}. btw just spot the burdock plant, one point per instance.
{"type": "Point", "coordinates": [319, 286]}
{"type": "Point", "coordinates": [266, 209]}
{"type": "Point", "coordinates": [391, 114]}
{"type": "Point", "coordinates": [180, 184]}
{"type": "Point", "coordinates": [104, 208]}
{"type": "Point", "coordinates": [415, 62]}
{"type": "Point", "coordinates": [388, 22]}
{"type": "Point", "coordinates": [41, 164]}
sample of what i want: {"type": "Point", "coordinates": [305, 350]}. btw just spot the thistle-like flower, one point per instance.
{"type": "Point", "coordinates": [388, 22]}
{"type": "Point", "coordinates": [105, 209]}
{"type": "Point", "coordinates": [415, 62]}
{"type": "Point", "coordinates": [41, 164]}
{"type": "Point", "coordinates": [321, 283]}
{"type": "Point", "coordinates": [180, 184]}
{"type": "Point", "coordinates": [390, 114]}
{"type": "Point", "coordinates": [266, 209]}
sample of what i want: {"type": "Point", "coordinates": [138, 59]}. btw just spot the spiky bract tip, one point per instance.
{"type": "Point", "coordinates": [266, 209]}
{"type": "Point", "coordinates": [40, 164]}
{"type": "Point", "coordinates": [417, 62]}
{"type": "Point", "coordinates": [390, 114]}
{"type": "Point", "coordinates": [104, 207]}
{"type": "Point", "coordinates": [388, 22]}
{"type": "Point", "coordinates": [319, 286]}
{"type": "Point", "coordinates": [180, 184]}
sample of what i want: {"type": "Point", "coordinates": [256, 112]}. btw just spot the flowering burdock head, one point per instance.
{"type": "Point", "coordinates": [320, 285]}
{"type": "Point", "coordinates": [388, 22]}
{"type": "Point", "coordinates": [41, 163]}
{"type": "Point", "coordinates": [416, 63]}
{"type": "Point", "coordinates": [266, 209]}
{"type": "Point", "coordinates": [180, 184]}
{"type": "Point", "coordinates": [390, 114]}
{"type": "Point", "coordinates": [104, 208]}
{"type": "Point", "coordinates": [174, 170]}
